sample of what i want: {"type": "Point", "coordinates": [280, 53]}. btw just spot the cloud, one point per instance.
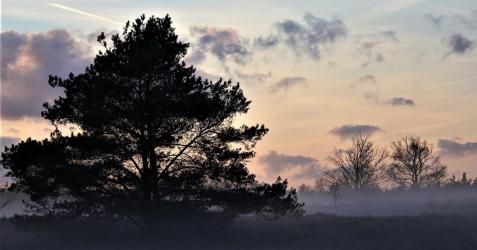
{"type": "Point", "coordinates": [296, 167]}
{"type": "Point", "coordinates": [390, 34]}
{"type": "Point", "coordinates": [468, 21]}
{"type": "Point", "coordinates": [371, 51]}
{"type": "Point", "coordinates": [7, 141]}
{"type": "Point", "coordinates": [400, 101]}
{"type": "Point", "coordinates": [350, 130]}
{"type": "Point", "coordinates": [266, 42]}
{"type": "Point", "coordinates": [454, 148]}
{"type": "Point", "coordinates": [437, 20]}
{"type": "Point", "coordinates": [363, 80]}
{"type": "Point", "coordinates": [207, 75]}
{"type": "Point", "coordinates": [196, 56]}
{"type": "Point", "coordinates": [286, 83]}
{"type": "Point", "coordinates": [222, 43]}
{"type": "Point", "coordinates": [458, 44]}
{"type": "Point", "coordinates": [93, 36]}
{"type": "Point", "coordinates": [394, 101]}
{"type": "Point", "coordinates": [372, 96]}
{"type": "Point", "coordinates": [11, 45]}
{"type": "Point", "coordinates": [305, 39]}
{"type": "Point", "coordinates": [27, 60]}
{"type": "Point", "coordinates": [373, 46]}
{"type": "Point", "coordinates": [253, 77]}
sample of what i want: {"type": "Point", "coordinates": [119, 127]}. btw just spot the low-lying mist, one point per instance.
{"type": "Point", "coordinates": [396, 219]}
{"type": "Point", "coordinates": [440, 201]}
{"type": "Point", "coordinates": [462, 201]}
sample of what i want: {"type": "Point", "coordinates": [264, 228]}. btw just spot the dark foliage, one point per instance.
{"type": "Point", "coordinates": [156, 141]}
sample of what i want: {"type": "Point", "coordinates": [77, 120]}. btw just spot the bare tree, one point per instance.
{"type": "Point", "coordinates": [414, 164]}
{"type": "Point", "coordinates": [360, 167]}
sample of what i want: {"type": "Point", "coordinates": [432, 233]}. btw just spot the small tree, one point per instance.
{"type": "Point", "coordinates": [334, 187]}
{"type": "Point", "coordinates": [155, 138]}
{"type": "Point", "coordinates": [464, 182]}
{"type": "Point", "coordinates": [360, 167]}
{"type": "Point", "coordinates": [304, 189]}
{"type": "Point", "coordinates": [7, 197]}
{"type": "Point", "coordinates": [414, 164]}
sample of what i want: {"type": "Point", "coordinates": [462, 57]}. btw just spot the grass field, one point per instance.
{"type": "Point", "coordinates": [308, 232]}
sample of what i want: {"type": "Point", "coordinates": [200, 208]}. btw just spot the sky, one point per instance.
{"type": "Point", "coordinates": [317, 72]}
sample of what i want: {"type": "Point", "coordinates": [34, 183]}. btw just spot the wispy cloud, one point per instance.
{"type": "Point", "coordinates": [224, 44]}
{"type": "Point", "coordinates": [287, 83]}
{"type": "Point", "coordinates": [310, 38]}
{"type": "Point", "coordinates": [63, 7]}
{"type": "Point", "coordinates": [366, 79]}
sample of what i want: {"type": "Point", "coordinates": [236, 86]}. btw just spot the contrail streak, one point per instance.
{"type": "Point", "coordinates": [392, 7]}
{"type": "Point", "coordinates": [443, 104]}
{"type": "Point", "coordinates": [453, 83]}
{"type": "Point", "coordinates": [387, 9]}
{"type": "Point", "coordinates": [438, 86]}
{"type": "Point", "coordinates": [429, 108]}
{"type": "Point", "coordinates": [60, 6]}
{"type": "Point", "coordinates": [458, 99]}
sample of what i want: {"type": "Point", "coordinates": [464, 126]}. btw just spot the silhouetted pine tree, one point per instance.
{"type": "Point", "coordinates": [155, 139]}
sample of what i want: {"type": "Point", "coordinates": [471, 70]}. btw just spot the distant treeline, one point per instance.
{"type": "Point", "coordinates": [363, 167]}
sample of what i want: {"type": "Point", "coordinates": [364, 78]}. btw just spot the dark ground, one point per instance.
{"type": "Point", "coordinates": [309, 232]}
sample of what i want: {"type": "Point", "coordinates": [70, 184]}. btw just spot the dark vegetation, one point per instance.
{"type": "Point", "coordinates": [157, 162]}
